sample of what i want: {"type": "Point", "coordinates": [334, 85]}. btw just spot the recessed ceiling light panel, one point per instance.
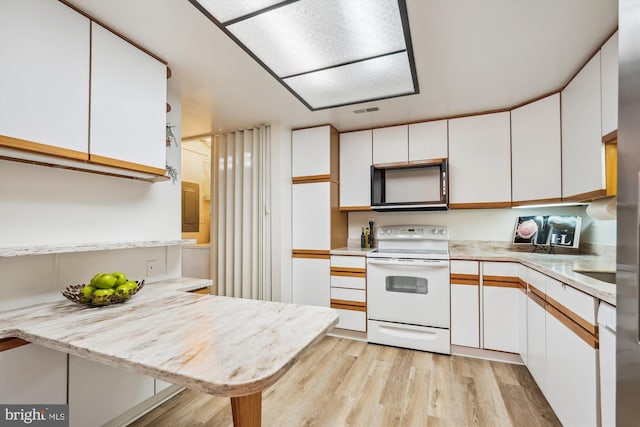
{"type": "Point", "coordinates": [328, 53]}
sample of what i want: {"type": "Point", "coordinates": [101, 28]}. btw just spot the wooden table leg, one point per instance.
{"type": "Point", "coordinates": [247, 410]}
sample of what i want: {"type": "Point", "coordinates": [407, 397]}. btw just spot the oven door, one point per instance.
{"type": "Point", "coordinates": [412, 291]}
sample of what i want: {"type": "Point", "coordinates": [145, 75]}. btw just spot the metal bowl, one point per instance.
{"type": "Point", "coordinates": [72, 293]}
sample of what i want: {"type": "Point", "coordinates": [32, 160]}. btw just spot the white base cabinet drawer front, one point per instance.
{"type": "Point", "coordinates": [409, 336]}
{"type": "Point", "coordinates": [464, 267]}
{"type": "Point", "coordinates": [537, 280]}
{"type": "Point", "coordinates": [348, 282]}
{"type": "Point", "coordinates": [578, 302]}
{"type": "Point", "coordinates": [352, 319]}
{"type": "Point", "coordinates": [504, 269]}
{"type": "Point", "coordinates": [338, 261]}
{"type": "Point", "coordinates": [348, 294]}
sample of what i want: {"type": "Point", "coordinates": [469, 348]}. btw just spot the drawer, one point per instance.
{"type": "Point", "coordinates": [348, 294]}
{"type": "Point", "coordinates": [503, 269]}
{"type": "Point", "coordinates": [354, 320]}
{"type": "Point", "coordinates": [348, 261]}
{"type": "Point", "coordinates": [464, 267]}
{"type": "Point", "coordinates": [349, 282]}
{"type": "Point", "coordinates": [523, 273]}
{"type": "Point", "coordinates": [572, 299]}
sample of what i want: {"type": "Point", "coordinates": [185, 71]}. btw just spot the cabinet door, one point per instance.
{"type": "Point", "coordinates": [480, 161]}
{"type": "Point", "coordinates": [465, 303]}
{"type": "Point", "coordinates": [44, 77]}
{"type": "Point", "coordinates": [98, 393]}
{"type": "Point", "coordinates": [128, 104]}
{"type": "Point", "coordinates": [536, 342]}
{"type": "Point", "coordinates": [391, 145]}
{"type": "Point", "coordinates": [428, 141]}
{"type": "Point", "coordinates": [572, 372]}
{"type": "Point", "coordinates": [522, 314]}
{"type": "Point", "coordinates": [582, 161]}
{"type": "Point", "coordinates": [311, 222]}
{"type": "Point", "coordinates": [311, 281]}
{"type": "Point", "coordinates": [535, 151]}
{"type": "Point", "coordinates": [355, 169]}
{"type": "Point", "coordinates": [500, 306]}
{"type": "Point", "coordinates": [33, 374]}
{"type": "Point", "coordinates": [609, 67]}
{"type": "Point", "coordinates": [311, 151]}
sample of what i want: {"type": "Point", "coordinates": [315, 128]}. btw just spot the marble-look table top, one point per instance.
{"type": "Point", "coordinates": [87, 247]}
{"type": "Point", "coordinates": [559, 266]}
{"type": "Point", "coordinates": [217, 345]}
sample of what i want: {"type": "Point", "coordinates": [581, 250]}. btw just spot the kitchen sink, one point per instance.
{"type": "Point", "coordinates": [604, 276]}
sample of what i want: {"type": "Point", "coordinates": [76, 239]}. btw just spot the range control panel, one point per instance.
{"type": "Point", "coordinates": [412, 232]}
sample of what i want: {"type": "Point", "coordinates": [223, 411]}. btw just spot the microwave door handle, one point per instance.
{"type": "Point", "coordinates": [401, 263]}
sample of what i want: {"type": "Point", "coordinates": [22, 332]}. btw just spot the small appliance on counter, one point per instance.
{"type": "Point", "coordinates": [408, 288]}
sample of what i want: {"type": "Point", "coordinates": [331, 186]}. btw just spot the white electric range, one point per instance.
{"type": "Point", "coordinates": [408, 288]}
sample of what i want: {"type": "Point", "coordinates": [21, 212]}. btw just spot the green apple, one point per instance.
{"type": "Point", "coordinates": [121, 278]}
{"type": "Point", "coordinates": [102, 296]}
{"type": "Point", "coordinates": [95, 279]}
{"type": "Point", "coordinates": [125, 290]}
{"type": "Point", "coordinates": [104, 281]}
{"type": "Point", "coordinates": [86, 292]}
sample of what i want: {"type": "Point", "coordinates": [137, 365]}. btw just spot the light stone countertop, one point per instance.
{"type": "Point", "coordinates": [217, 345]}
{"type": "Point", "coordinates": [87, 247]}
{"type": "Point", "coordinates": [352, 251]}
{"type": "Point", "coordinates": [558, 266]}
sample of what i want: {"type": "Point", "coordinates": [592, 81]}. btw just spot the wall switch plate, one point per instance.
{"type": "Point", "coordinates": [153, 268]}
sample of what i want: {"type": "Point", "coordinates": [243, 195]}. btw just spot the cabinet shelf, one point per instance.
{"type": "Point", "coordinates": [87, 247]}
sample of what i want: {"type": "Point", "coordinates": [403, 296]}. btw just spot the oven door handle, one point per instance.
{"type": "Point", "coordinates": [422, 263]}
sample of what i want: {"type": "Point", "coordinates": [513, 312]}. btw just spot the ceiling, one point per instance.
{"type": "Point", "coordinates": [470, 55]}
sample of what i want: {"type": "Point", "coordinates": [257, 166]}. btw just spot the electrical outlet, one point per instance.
{"type": "Point", "coordinates": [153, 268]}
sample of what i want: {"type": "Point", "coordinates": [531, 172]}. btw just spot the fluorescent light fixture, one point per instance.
{"type": "Point", "coordinates": [550, 205]}
{"type": "Point", "coordinates": [328, 53]}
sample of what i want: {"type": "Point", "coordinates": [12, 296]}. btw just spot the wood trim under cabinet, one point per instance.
{"type": "Point", "coordinates": [348, 305]}
{"type": "Point", "coordinates": [585, 197]}
{"type": "Point", "coordinates": [536, 202]}
{"type": "Point", "coordinates": [537, 292]}
{"type": "Point", "coordinates": [11, 343]}
{"type": "Point", "coordinates": [535, 298]}
{"type": "Point", "coordinates": [391, 165]}
{"type": "Point", "coordinates": [122, 164]}
{"type": "Point", "coordinates": [348, 272]}
{"type": "Point", "coordinates": [610, 137]}
{"type": "Point", "coordinates": [354, 208]}
{"type": "Point", "coordinates": [573, 327]}
{"type": "Point", "coordinates": [426, 162]}
{"type": "Point", "coordinates": [310, 179]}
{"type": "Point", "coordinates": [500, 284]}
{"type": "Point", "coordinates": [611, 167]}
{"type": "Point", "coordinates": [23, 144]}
{"type": "Point", "coordinates": [465, 279]}
{"type": "Point", "coordinates": [580, 321]}
{"type": "Point", "coordinates": [481, 205]}
{"type": "Point", "coordinates": [310, 253]}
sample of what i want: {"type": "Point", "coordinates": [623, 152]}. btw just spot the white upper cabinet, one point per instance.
{"type": "Point", "coordinates": [44, 77]}
{"type": "Point", "coordinates": [391, 145]}
{"type": "Point", "coordinates": [355, 169]}
{"type": "Point", "coordinates": [609, 67]}
{"type": "Point", "coordinates": [428, 141]}
{"type": "Point", "coordinates": [311, 151]}
{"type": "Point", "coordinates": [582, 148]}
{"type": "Point", "coordinates": [128, 104]}
{"type": "Point", "coordinates": [535, 151]}
{"type": "Point", "coordinates": [480, 161]}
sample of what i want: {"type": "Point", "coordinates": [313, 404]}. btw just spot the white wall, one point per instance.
{"type": "Point", "coordinates": [46, 206]}
{"type": "Point", "coordinates": [484, 224]}
{"type": "Point", "coordinates": [281, 212]}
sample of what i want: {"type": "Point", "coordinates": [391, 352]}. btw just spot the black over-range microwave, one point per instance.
{"type": "Point", "coordinates": [410, 187]}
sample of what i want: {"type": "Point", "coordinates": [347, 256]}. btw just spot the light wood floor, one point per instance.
{"type": "Point", "coordinates": [342, 382]}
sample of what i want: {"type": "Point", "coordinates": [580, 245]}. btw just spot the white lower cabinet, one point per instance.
{"type": "Point", "coordinates": [99, 393]}
{"type": "Point", "coordinates": [161, 385]}
{"type": "Point", "coordinates": [311, 281]}
{"type": "Point", "coordinates": [522, 324]}
{"type": "Point", "coordinates": [500, 289]}
{"type": "Point", "coordinates": [349, 291]}
{"type": "Point", "coordinates": [33, 374]}
{"type": "Point", "coordinates": [572, 376]}
{"type": "Point", "coordinates": [465, 303]}
{"type": "Point", "coordinates": [536, 341]}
